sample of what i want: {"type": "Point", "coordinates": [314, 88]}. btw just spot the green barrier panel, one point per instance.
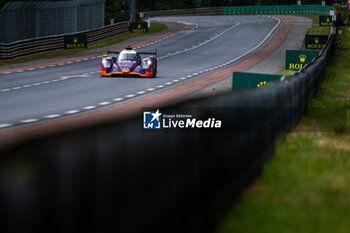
{"type": "Point", "coordinates": [75, 41]}
{"type": "Point", "coordinates": [298, 59]}
{"type": "Point", "coordinates": [243, 80]}
{"type": "Point", "coordinates": [315, 41]}
{"type": "Point", "coordinates": [139, 27]}
{"type": "Point", "coordinates": [325, 20]}
{"type": "Point", "coordinates": [283, 9]}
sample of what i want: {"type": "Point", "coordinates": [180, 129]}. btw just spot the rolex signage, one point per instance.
{"type": "Point", "coordinates": [315, 41]}
{"type": "Point", "coordinates": [139, 27]}
{"type": "Point", "coordinates": [75, 41]}
{"type": "Point", "coordinates": [298, 59]}
{"type": "Point", "coordinates": [325, 20]}
{"type": "Point", "coordinates": [251, 80]}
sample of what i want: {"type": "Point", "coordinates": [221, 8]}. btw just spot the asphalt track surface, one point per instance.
{"type": "Point", "coordinates": [52, 92]}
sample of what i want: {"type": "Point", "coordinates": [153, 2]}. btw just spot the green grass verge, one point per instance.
{"type": "Point", "coordinates": [305, 188]}
{"type": "Point", "coordinates": [286, 72]}
{"type": "Point", "coordinates": [155, 27]}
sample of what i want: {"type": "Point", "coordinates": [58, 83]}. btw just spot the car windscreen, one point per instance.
{"type": "Point", "coordinates": [127, 57]}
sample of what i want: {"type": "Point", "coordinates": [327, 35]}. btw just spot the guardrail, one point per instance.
{"type": "Point", "coordinates": [279, 10]}
{"type": "Point", "coordinates": [118, 178]}
{"type": "Point", "coordinates": [187, 12]}
{"type": "Point", "coordinates": [50, 43]}
{"type": "Point", "coordinates": [248, 10]}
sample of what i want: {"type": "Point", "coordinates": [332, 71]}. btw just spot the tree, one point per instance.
{"type": "Point", "coordinates": [113, 10]}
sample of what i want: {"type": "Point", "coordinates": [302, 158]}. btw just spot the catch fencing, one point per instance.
{"type": "Point", "coordinates": [25, 20]}
{"type": "Point", "coordinates": [118, 178]}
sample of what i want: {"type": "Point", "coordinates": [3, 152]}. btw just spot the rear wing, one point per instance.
{"type": "Point", "coordinates": [111, 53]}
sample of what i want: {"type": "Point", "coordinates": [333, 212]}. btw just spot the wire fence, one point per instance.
{"type": "Point", "coordinates": [25, 20]}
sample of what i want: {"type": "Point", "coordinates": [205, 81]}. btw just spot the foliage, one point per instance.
{"type": "Point", "coordinates": [344, 13]}
{"type": "Point", "coordinates": [113, 10]}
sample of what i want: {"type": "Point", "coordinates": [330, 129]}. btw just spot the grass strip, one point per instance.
{"type": "Point", "coordinates": [155, 27]}
{"type": "Point", "coordinates": [305, 188]}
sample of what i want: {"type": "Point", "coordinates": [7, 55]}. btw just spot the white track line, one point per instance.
{"type": "Point", "coordinates": [29, 120]}
{"type": "Point", "coordinates": [52, 116]}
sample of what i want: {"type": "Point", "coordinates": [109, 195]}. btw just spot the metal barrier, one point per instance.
{"type": "Point", "coordinates": [118, 178]}
{"type": "Point", "coordinates": [279, 10]}
{"type": "Point", "coordinates": [50, 43]}
{"type": "Point", "coordinates": [187, 12]}
{"type": "Point", "coordinates": [246, 10]}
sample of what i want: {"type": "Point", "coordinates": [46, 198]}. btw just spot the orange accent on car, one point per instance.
{"type": "Point", "coordinates": [125, 71]}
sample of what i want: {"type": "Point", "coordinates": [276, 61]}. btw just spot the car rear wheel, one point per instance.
{"type": "Point", "coordinates": [155, 69]}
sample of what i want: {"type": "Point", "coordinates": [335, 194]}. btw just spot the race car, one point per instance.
{"type": "Point", "coordinates": [129, 63]}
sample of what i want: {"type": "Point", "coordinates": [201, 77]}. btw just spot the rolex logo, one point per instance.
{"type": "Point", "coordinates": [139, 26]}
{"type": "Point", "coordinates": [75, 40]}
{"type": "Point", "coordinates": [328, 19]}
{"type": "Point", "coordinates": [302, 58]}
{"type": "Point", "coordinates": [316, 39]}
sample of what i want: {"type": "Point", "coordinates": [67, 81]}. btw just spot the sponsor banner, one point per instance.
{"type": "Point", "coordinates": [139, 27]}
{"type": "Point", "coordinates": [298, 59]}
{"type": "Point", "coordinates": [243, 80]}
{"type": "Point", "coordinates": [326, 20]}
{"type": "Point", "coordinates": [77, 41]}
{"type": "Point", "coordinates": [315, 41]}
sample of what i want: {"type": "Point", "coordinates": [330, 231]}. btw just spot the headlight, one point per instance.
{"type": "Point", "coordinates": [106, 63]}
{"type": "Point", "coordinates": [146, 64]}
